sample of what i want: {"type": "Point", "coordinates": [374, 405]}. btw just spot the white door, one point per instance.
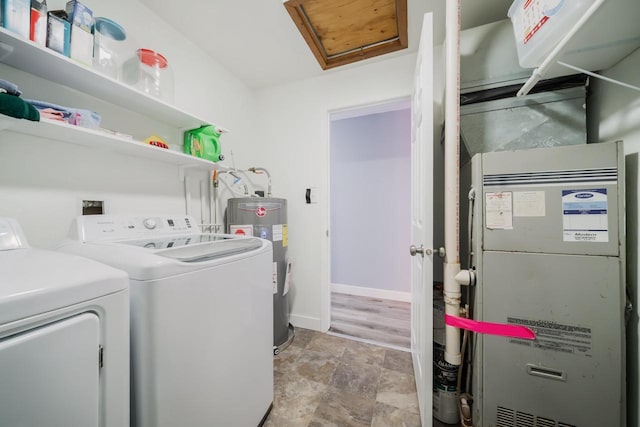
{"type": "Point", "coordinates": [422, 221]}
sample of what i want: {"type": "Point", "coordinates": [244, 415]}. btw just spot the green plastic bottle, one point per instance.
{"type": "Point", "coordinates": [203, 142]}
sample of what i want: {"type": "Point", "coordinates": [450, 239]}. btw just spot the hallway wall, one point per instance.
{"type": "Point", "coordinates": [370, 172]}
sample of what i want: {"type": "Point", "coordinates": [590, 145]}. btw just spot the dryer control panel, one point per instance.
{"type": "Point", "coordinates": [11, 235]}
{"type": "Point", "coordinates": [90, 228]}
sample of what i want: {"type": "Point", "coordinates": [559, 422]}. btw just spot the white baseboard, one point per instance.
{"type": "Point", "coordinates": [371, 292]}
{"type": "Point", "coordinates": [306, 322]}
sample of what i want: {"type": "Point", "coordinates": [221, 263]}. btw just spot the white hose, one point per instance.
{"type": "Point", "coordinates": [230, 188]}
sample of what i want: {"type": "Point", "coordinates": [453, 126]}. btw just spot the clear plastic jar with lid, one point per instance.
{"type": "Point", "coordinates": [109, 47]}
{"type": "Point", "coordinates": [149, 72]}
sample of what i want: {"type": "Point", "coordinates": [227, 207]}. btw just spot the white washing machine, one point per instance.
{"type": "Point", "coordinates": [64, 338]}
{"type": "Point", "coordinates": [201, 318]}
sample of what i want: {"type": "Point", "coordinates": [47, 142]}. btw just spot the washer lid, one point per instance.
{"type": "Point", "coordinates": [35, 281]}
{"type": "Point", "coordinates": [213, 250]}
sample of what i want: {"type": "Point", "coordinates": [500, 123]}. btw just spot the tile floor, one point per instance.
{"type": "Point", "coordinates": [322, 380]}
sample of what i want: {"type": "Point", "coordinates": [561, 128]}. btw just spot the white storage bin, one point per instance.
{"type": "Point", "coordinates": [539, 25]}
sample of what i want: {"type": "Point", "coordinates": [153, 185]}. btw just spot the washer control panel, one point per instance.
{"type": "Point", "coordinates": [120, 227]}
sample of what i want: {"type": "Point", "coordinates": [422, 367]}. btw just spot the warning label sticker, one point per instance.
{"type": "Point", "coordinates": [285, 235]}
{"type": "Point", "coordinates": [241, 230]}
{"type": "Point", "coordinates": [277, 233]}
{"type": "Point", "coordinates": [499, 210]}
{"type": "Point", "coordinates": [555, 336]}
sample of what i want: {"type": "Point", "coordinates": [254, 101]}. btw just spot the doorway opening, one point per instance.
{"type": "Point", "coordinates": [370, 217]}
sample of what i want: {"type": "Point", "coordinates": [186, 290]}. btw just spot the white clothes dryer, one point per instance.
{"type": "Point", "coordinates": [64, 337]}
{"type": "Point", "coordinates": [201, 318]}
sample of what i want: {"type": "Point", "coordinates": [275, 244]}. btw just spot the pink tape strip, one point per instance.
{"type": "Point", "coordinates": [499, 329]}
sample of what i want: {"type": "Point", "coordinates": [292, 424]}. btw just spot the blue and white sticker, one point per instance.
{"type": "Point", "coordinates": [585, 215]}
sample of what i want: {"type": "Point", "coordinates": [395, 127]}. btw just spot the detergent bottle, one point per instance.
{"type": "Point", "coordinates": [204, 142]}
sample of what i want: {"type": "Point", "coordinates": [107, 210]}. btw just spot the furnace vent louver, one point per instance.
{"type": "Point", "coordinates": [510, 418]}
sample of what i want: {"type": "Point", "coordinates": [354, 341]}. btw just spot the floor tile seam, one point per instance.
{"type": "Point", "coordinates": [356, 361]}
{"type": "Point", "coordinates": [377, 381]}
{"type": "Point", "coordinates": [400, 371]}
{"type": "Point", "coordinates": [335, 390]}
{"type": "Point", "coordinates": [322, 352]}
{"type": "Point", "coordinates": [402, 411]}
{"type": "Point", "coordinates": [414, 393]}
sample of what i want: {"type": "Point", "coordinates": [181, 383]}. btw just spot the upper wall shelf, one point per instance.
{"type": "Point", "coordinates": [50, 65]}
{"type": "Point", "coordinates": [99, 140]}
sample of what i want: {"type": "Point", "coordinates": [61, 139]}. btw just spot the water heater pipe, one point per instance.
{"type": "Point", "coordinates": [258, 170]}
{"type": "Point", "coordinates": [235, 175]}
{"type": "Point", "coordinates": [539, 72]}
{"type": "Point", "coordinates": [452, 291]}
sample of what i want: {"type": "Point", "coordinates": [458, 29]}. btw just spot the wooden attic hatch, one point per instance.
{"type": "Point", "coordinates": [340, 32]}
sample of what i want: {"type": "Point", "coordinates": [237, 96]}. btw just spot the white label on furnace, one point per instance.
{"type": "Point", "coordinates": [584, 215]}
{"type": "Point", "coordinates": [528, 203]}
{"type": "Point", "coordinates": [498, 210]}
{"type": "Point", "coordinates": [277, 233]}
{"type": "Point", "coordinates": [274, 278]}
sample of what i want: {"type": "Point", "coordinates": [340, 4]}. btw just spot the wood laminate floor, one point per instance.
{"type": "Point", "coordinates": [377, 320]}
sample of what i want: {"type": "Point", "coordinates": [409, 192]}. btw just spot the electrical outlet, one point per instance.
{"type": "Point", "coordinates": [92, 207]}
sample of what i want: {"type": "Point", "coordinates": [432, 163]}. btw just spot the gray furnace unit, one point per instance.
{"type": "Point", "coordinates": [549, 250]}
{"type": "Point", "coordinates": [266, 217]}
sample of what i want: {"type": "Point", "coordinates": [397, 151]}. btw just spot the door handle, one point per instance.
{"type": "Point", "coordinates": [414, 250]}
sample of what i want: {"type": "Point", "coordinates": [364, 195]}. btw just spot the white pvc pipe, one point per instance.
{"type": "Point", "coordinates": [212, 201]}
{"type": "Point", "coordinates": [187, 196]}
{"type": "Point", "coordinates": [203, 203]}
{"type": "Point", "coordinates": [452, 291]}
{"type": "Point", "coordinates": [539, 72]}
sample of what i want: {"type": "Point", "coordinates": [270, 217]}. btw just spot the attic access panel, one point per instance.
{"type": "Point", "coordinates": [340, 32]}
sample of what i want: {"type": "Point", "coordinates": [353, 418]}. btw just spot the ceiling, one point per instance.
{"type": "Point", "coordinates": [257, 41]}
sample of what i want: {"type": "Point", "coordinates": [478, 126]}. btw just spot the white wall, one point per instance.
{"type": "Point", "coordinates": [42, 182]}
{"type": "Point", "coordinates": [615, 114]}
{"type": "Point", "coordinates": [293, 125]}
{"type": "Point", "coordinates": [370, 197]}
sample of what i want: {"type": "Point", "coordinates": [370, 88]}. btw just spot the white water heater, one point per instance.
{"type": "Point", "coordinates": [549, 253]}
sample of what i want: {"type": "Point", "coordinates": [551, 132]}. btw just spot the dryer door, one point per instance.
{"type": "Point", "coordinates": [50, 374]}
